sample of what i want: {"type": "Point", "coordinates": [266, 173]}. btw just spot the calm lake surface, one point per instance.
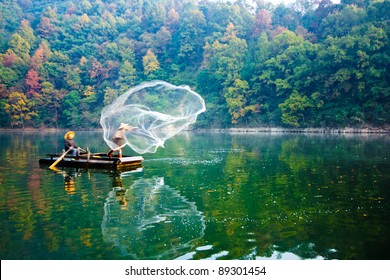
{"type": "Point", "coordinates": [203, 196]}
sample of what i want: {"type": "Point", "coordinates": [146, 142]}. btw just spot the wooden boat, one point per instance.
{"type": "Point", "coordinates": [99, 160]}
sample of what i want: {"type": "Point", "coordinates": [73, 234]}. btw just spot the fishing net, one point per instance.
{"type": "Point", "coordinates": [157, 110]}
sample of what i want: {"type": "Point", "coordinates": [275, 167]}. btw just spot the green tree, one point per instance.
{"type": "Point", "coordinates": [358, 3]}
{"type": "Point", "coordinates": [355, 81]}
{"type": "Point", "coordinates": [163, 45]}
{"type": "Point", "coordinates": [110, 95]}
{"type": "Point", "coordinates": [191, 38]}
{"type": "Point", "coordinates": [27, 33]}
{"type": "Point", "coordinates": [225, 60]}
{"type": "Point", "coordinates": [10, 16]}
{"type": "Point", "coordinates": [226, 56]}
{"type": "Point", "coordinates": [377, 12]}
{"type": "Point", "coordinates": [71, 112]}
{"type": "Point", "coordinates": [126, 49]}
{"type": "Point", "coordinates": [284, 65]}
{"type": "Point", "coordinates": [55, 107]}
{"type": "Point", "coordinates": [43, 106]}
{"type": "Point", "coordinates": [127, 76]}
{"type": "Point", "coordinates": [293, 109]}
{"type": "Point", "coordinates": [172, 20]}
{"type": "Point", "coordinates": [8, 77]}
{"type": "Point", "coordinates": [20, 46]}
{"type": "Point", "coordinates": [312, 18]}
{"type": "Point", "coordinates": [339, 24]}
{"type": "Point", "coordinates": [237, 98]}
{"type": "Point", "coordinates": [4, 119]}
{"type": "Point", "coordinates": [286, 17]}
{"type": "Point", "coordinates": [153, 15]}
{"type": "Point", "coordinates": [73, 78]}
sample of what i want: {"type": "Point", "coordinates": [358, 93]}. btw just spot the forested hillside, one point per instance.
{"type": "Point", "coordinates": [309, 64]}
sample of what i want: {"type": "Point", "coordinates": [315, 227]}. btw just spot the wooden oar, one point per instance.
{"type": "Point", "coordinates": [59, 159]}
{"type": "Point", "coordinates": [89, 154]}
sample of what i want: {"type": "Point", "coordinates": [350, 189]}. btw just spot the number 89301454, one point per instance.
{"type": "Point", "coordinates": [236, 270]}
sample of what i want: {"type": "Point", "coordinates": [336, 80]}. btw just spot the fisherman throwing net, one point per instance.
{"type": "Point", "coordinates": [118, 138]}
{"type": "Point", "coordinates": [146, 116]}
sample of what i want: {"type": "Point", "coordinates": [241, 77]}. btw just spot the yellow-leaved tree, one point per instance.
{"type": "Point", "coordinates": [19, 108]}
{"type": "Point", "coordinates": [151, 64]}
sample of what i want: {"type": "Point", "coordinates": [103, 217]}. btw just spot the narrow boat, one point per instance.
{"type": "Point", "coordinates": [97, 160]}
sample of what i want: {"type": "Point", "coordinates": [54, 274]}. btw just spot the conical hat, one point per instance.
{"type": "Point", "coordinates": [124, 125]}
{"type": "Point", "coordinates": [69, 135]}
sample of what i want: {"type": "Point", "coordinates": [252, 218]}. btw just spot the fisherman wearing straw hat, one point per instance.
{"type": "Point", "coordinates": [69, 143]}
{"type": "Point", "coordinates": [118, 138]}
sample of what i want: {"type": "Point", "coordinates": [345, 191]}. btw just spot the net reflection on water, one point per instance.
{"type": "Point", "coordinates": [150, 220]}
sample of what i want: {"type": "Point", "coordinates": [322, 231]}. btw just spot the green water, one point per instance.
{"type": "Point", "coordinates": [203, 196]}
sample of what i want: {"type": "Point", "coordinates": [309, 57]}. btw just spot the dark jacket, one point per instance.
{"type": "Point", "coordinates": [69, 144]}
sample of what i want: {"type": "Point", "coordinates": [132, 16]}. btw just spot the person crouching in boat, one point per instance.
{"type": "Point", "coordinates": [70, 144]}
{"type": "Point", "coordinates": [118, 138]}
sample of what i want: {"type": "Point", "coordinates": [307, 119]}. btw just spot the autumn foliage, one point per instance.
{"type": "Point", "coordinates": [311, 63]}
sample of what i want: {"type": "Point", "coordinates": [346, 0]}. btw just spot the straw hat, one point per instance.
{"type": "Point", "coordinates": [69, 135]}
{"type": "Point", "coordinates": [124, 125]}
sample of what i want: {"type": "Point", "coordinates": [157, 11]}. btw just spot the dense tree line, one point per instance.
{"type": "Point", "coordinates": [311, 63]}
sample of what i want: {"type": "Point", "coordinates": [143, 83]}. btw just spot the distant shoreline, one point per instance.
{"type": "Point", "coordinates": [31, 129]}
{"type": "Point", "coordinates": [326, 130]}
{"type": "Point", "coordinates": [323, 130]}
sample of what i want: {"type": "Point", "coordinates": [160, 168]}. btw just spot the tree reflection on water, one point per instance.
{"type": "Point", "coordinates": [204, 196]}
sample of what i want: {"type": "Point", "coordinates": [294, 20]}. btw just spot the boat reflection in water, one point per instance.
{"type": "Point", "coordinates": [69, 180]}
{"type": "Point", "coordinates": [150, 220]}
{"type": "Point", "coordinates": [70, 175]}
{"type": "Point", "coordinates": [143, 217]}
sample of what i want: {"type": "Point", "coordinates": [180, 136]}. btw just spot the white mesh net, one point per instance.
{"type": "Point", "coordinates": [157, 110]}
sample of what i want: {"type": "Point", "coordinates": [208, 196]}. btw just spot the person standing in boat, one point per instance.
{"type": "Point", "coordinates": [70, 144]}
{"type": "Point", "coordinates": [118, 138]}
